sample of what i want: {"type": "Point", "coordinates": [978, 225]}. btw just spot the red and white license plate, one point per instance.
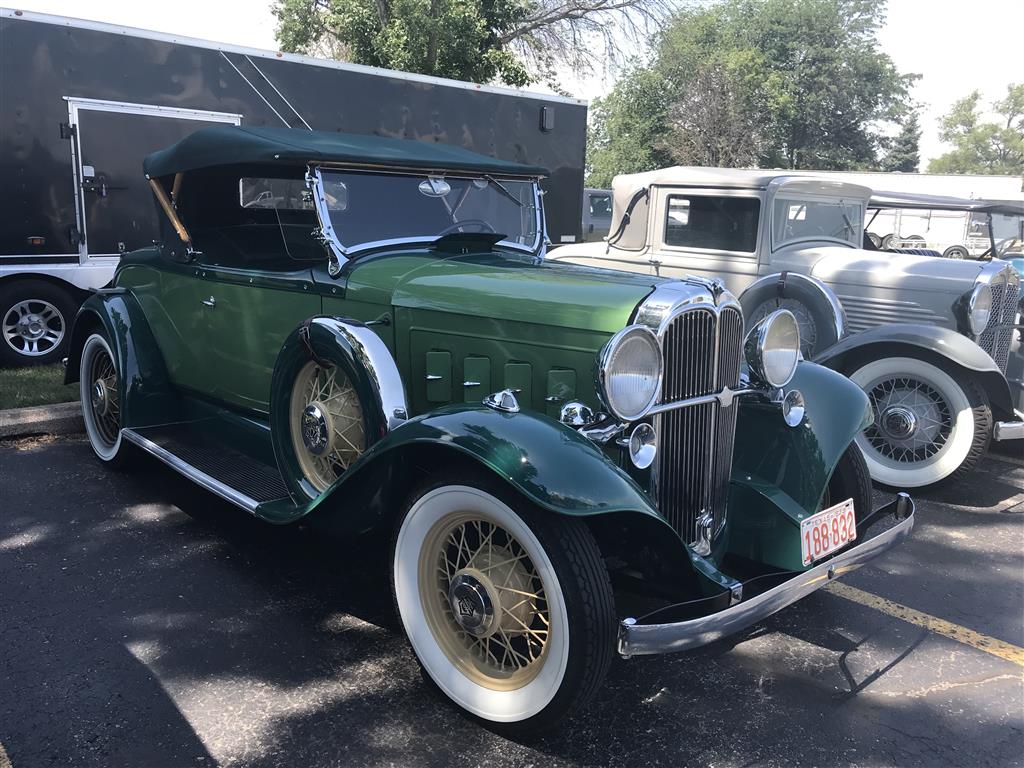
{"type": "Point", "coordinates": [828, 531]}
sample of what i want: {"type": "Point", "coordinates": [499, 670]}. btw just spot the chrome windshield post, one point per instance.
{"type": "Point", "coordinates": [326, 235]}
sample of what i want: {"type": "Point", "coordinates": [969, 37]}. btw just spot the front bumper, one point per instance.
{"type": "Point", "coordinates": [1009, 430]}
{"type": "Point", "coordinates": [636, 639]}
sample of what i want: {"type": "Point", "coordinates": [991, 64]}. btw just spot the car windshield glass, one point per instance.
{"type": "Point", "coordinates": [368, 208]}
{"type": "Point", "coordinates": [796, 220]}
{"type": "Point", "coordinates": [715, 223]}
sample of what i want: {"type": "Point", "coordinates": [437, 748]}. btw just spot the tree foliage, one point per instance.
{"type": "Point", "coordinates": [984, 146]}
{"type": "Point", "coordinates": [514, 41]}
{"type": "Point", "coordinates": [904, 155]}
{"type": "Point", "coordinates": [776, 83]}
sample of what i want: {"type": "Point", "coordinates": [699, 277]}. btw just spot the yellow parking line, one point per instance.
{"type": "Point", "coordinates": [932, 623]}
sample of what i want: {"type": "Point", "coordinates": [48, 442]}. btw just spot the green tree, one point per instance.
{"type": "Point", "coordinates": [904, 155]}
{"type": "Point", "coordinates": [514, 41]}
{"type": "Point", "coordinates": [984, 146]}
{"type": "Point", "coordinates": [776, 83]}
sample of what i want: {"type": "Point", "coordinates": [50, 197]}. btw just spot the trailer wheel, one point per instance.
{"type": "Point", "coordinates": [955, 252]}
{"type": "Point", "coordinates": [35, 322]}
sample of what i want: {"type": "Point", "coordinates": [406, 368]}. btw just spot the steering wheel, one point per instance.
{"type": "Point", "coordinates": [457, 226]}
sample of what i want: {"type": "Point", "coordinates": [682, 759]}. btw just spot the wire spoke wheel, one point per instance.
{"type": "Point", "coordinates": [913, 420]}
{"type": "Point", "coordinates": [326, 422]}
{"type": "Point", "coordinates": [100, 391]}
{"type": "Point", "coordinates": [33, 327]}
{"type": "Point", "coordinates": [929, 424]}
{"type": "Point", "coordinates": [485, 601]}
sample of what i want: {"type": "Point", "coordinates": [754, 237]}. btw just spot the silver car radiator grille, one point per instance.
{"type": "Point", "coordinates": [702, 355]}
{"type": "Point", "coordinates": [996, 337]}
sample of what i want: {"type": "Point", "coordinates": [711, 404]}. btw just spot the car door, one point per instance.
{"type": "Point", "coordinates": [709, 233]}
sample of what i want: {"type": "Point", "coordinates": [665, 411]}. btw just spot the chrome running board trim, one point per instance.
{"type": "Point", "coordinates": [197, 476]}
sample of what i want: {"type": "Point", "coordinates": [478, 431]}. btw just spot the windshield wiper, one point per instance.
{"type": "Point", "coordinates": [503, 189]}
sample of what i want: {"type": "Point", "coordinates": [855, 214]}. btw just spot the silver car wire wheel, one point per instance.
{"type": "Point", "coordinates": [33, 327]}
{"type": "Point", "coordinates": [326, 422]}
{"type": "Point", "coordinates": [923, 427]}
{"type": "Point", "coordinates": [804, 320]}
{"type": "Point", "coordinates": [101, 397]}
{"type": "Point", "coordinates": [481, 603]}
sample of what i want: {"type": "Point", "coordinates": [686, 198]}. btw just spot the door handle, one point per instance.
{"type": "Point", "coordinates": [210, 302]}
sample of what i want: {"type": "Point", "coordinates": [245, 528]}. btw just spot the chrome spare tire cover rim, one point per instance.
{"type": "Point", "coordinates": [470, 658]}
{"type": "Point", "coordinates": [33, 327]}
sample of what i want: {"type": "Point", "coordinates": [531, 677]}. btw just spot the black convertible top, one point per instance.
{"type": "Point", "coordinates": [940, 203]}
{"type": "Point", "coordinates": [248, 145]}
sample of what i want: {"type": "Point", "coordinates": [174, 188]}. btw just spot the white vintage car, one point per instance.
{"type": "Point", "coordinates": [928, 339]}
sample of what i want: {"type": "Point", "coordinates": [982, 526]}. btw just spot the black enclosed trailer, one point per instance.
{"type": "Point", "coordinates": [81, 103]}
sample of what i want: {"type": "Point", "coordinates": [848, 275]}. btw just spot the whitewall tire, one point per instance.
{"type": "Point", "coordinates": [509, 613]}
{"type": "Point", "coordinates": [930, 425]}
{"type": "Point", "coordinates": [99, 388]}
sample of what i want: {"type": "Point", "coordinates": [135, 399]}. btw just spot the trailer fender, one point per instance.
{"type": "Point", "coordinates": [932, 343]}
{"type": "Point", "coordinates": [145, 390]}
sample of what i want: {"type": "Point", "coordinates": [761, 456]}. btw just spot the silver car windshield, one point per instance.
{"type": "Point", "coordinates": [796, 220]}
{"type": "Point", "coordinates": [368, 208]}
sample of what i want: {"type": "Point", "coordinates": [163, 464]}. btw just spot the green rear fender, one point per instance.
{"type": "Point", "coordinates": [146, 394]}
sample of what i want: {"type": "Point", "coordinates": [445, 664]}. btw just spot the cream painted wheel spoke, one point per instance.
{"type": "Point", "coordinates": [496, 630]}
{"type": "Point", "coordinates": [326, 423]}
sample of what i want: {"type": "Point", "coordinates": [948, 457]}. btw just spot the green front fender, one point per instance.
{"type": "Point", "coordinates": [780, 473]}
{"type": "Point", "coordinates": [146, 395]}
{"type": "Point", "coordinates": [553, 466]}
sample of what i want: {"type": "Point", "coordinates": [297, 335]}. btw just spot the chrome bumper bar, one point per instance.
{"type": "Point", "coordinates": [641, 639]}
{"type": "Point", "coordinates": [1009, 430]}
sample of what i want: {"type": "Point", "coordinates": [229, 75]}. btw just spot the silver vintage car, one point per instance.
{"type": "Point", "coordinates": [928, 339]}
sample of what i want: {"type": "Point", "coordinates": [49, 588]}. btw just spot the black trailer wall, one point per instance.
{"type": "Point", "coordinates": [43, 64]}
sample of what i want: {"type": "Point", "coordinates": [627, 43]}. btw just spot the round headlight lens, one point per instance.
{"type": "Point", "coordinates": [772, 348]}
{"type": "Point", "coordinates": [630, 372]}
{"type": "Point", "coordinates": [979, 308]}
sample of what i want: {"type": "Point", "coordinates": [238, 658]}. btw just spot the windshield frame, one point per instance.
{"type": "Point", "coordinates": [341, 254]}
{"type": "Point", "coordinates": [775, 241]}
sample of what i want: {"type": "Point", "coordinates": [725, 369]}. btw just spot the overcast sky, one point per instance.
{"type": "Point", "coordinates": [955, 46]}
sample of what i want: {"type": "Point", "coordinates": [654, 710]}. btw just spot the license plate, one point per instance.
{"type": "Point", "coordinates": [828, 531]}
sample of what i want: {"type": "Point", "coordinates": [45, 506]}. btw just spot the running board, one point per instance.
{"type": "Point", "coordinates": [207, 466]}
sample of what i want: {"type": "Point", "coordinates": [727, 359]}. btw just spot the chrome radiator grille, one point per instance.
{"type": "Point", "coordinates": [702, 355]}
{"type": "Point", "coordinates": [996, 338]}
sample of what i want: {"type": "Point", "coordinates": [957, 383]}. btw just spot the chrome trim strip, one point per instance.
{"type": "Point", "coordinates": [724, 398]}
{"type": "Point", "coordinates": [197, 476]}
{"type": "Point", "coordinates": [643, 639]}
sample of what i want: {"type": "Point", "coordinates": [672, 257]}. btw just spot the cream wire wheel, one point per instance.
{"type": "Point", "coordinates": [326, 423]}
{"type": "Point", "coordinates": [487, 597]}
{"type": "Point", "coordinates": [484, 601]}
{"type": "Point", "coordinates": [101, 398]}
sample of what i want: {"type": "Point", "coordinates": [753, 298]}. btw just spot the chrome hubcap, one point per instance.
{"type": "Point", "coordinates": [316, 429]}
{"type": "Point", "coordinates": [472, 597]}
{"type": "Point", "coordinates": [33, 327]}
{"type": "Point", "coordinates": [898, 422]}
{"type": "Point", "coordinates": [100, 397]}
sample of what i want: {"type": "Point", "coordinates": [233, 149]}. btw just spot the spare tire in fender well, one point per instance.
{"type": "Point", "coordinates": [820, 300]}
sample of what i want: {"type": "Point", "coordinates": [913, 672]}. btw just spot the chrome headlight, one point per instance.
{"type": "Point", "coordinates": [772, 348]}
{"type": "Point", "coordinates": [630, 371]}
{"type": "Point", "coordinates": [979, 308]}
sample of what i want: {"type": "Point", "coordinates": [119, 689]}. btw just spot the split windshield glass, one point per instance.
{"type": "Point", "coordinates": [796, 220]}
{"type": "Point", "coordinates": [369, 208]}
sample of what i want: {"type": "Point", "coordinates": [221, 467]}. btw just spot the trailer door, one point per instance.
{"type": "Point", "coordinates": [116, 212]}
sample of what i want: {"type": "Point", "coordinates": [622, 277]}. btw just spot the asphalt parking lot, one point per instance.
{"type": "Point", "coordinates": [145, 623]}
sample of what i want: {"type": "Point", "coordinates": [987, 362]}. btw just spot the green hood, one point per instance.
{"type": "Point", "coordinates": [561, 295]}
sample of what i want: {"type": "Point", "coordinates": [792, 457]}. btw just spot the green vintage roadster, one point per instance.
{"type": "Point", "coordinates": [361, 334]}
